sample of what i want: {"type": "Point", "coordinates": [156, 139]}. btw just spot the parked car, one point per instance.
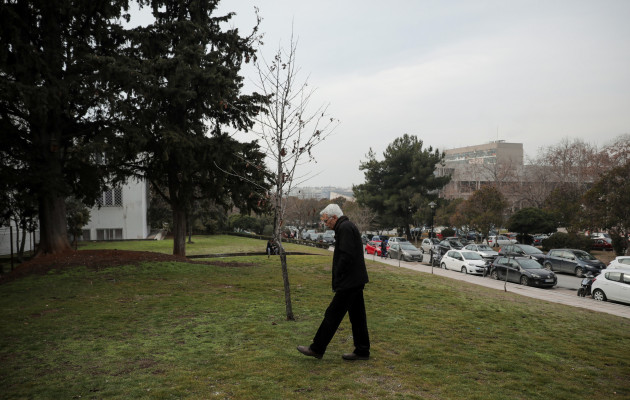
{"type": "Point", "coordinates": [468, 262]}
{"type": "Point", "coordinates": [450, 244]}
{"type": "Point", "coordinates": [602, 244]}
{"type": "Point", "coordinates": [572, 261]}
{"type": "Point", "coordinates": [500, 240]}
{"type": "Point", "coordinates": [523, 250]}
{"type": "Point", "coordinates": [396, 239]}
{"type": "Point", "coordinates": [483, 250]}
{"type": "Point", "coordinates": [522, 270]}
{"type": "Point", "coordinates": [621, 262]}
{"type": "Point", "coordinates": [326, 238]}
{"type": "Point", "coordinates": [372, 247]}
{"type": "Point", "coordinates": [427, 244]}
{"type": "Point", "coordinates": [538, 239]}
{"type": "Point", "coordinates": [379, 238]}
{"type": "Point", "coordinates": [612, 284]}
{"type": "Point", "coordinates": [403, 251]}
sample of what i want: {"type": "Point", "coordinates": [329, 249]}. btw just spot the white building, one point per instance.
{"type": "Point", "coordinates": [122, 213]}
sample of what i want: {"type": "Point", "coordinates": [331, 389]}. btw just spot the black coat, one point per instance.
{"type": "Point", "coordinates": [348, 267]}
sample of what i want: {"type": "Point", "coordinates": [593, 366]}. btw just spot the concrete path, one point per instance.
{"type": "Point", "coordinates": [562, 296]}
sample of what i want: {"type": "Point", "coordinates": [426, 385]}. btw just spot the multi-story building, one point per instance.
{"type": "Point", "coordinates": [473, 167]}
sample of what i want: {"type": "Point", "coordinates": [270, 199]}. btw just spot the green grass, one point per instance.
{"type": "Point", "coordinates": [180, 330]}
{"type": "Point", "coordinates": [201, 245]}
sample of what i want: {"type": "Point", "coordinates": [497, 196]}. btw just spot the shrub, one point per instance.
{"type": "Point", "coordinates": [619, 243]}
{"type": "Point", "coordinates": [448, 232]}
{"type": "Point", "coordinates": [560, 240]}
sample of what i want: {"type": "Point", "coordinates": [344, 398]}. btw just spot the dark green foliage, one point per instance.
{"type": "Point", "coordinates": [184, 87]}
{"type": "Point", "coordinates": [532, 220]}
{"type": "Point", "coordinates": [56, 62]}
{"type": "Point", "coordinates": [448, 232]}
{"type": "Point", "coordinates": [619, 243]}
{"type": "Point", "coordinates": [561, 240]}
{"type": "Point", "coordinates": [77, 215]}
{"type": "Point", "coordinates": [400, 184]}
{"type": "Point", "coordinates": [483, 211]}
{"type": "Point", "coordinates": [608, 201]}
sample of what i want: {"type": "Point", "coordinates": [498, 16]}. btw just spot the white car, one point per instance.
{"type": "Point", "coordinates": [396, 239]}
{"type": "Point", "coordinates": [427, 244]}
{"type": "Point", "coordinates": [612, 284]}
{"type": "Point", "coordinates": [483, 250]}
{"type": "Point", "coordinates": [468, 262]}
{"type": "Point", "coordinates": [621, 262]}
{"type": "Point", "coordinates": [501, 240]}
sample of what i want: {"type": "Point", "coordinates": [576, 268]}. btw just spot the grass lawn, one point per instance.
{"type": "Point", "coordinates": [180, 330]}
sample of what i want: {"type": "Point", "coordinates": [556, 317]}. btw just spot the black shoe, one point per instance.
{"type": "Point", "coordinates": [354, 357]}
{"type": "Point", "coordinates": [306, 350]}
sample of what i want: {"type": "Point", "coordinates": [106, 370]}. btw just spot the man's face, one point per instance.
{"type": "Point", "coordinates": [329, 221]}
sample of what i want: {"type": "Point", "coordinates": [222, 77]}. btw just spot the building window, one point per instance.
{"type": "Point", "coordinates": [110, 198]}
{"type": "Point", "coordinates": [109, 234]}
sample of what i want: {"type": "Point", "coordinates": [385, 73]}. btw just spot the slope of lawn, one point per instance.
{"type": "Point", "coordinates": [171, 330]}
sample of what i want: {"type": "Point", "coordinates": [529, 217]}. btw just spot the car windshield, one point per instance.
{"type": "Point", "coordinates": [584, 256]}
{"type": "Point", "coordinates": [484, 247]}
{"type": "Point", "coordinates": [471, 255]}
{"type": "Point", "coordinates": [407, 246]}
{"type": "Point", "coordinates": [455, 243]}
{"type": "Point", "coordinates": [435, 241]}
{"type": "Point", "coordinates": [531, 249]}
{"type": "Point", "coordinates": [529, 264]}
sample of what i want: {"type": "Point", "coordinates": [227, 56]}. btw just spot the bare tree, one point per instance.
{"type": "Point", "coordinates": [289, 129]}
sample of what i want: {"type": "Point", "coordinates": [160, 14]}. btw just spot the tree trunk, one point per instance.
{"type": "Point", "coordinates": [52, 219]}
{"type": "Point", "coordinates": [179, 231]}
{"type": "Point", "coordinates": [285, 280]}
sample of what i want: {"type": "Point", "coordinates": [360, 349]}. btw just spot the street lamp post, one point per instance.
{"type": "Point", "coordinates": [432, 205]}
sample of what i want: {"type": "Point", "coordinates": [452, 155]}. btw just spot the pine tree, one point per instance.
{"type": "Point", "coordinates": [55, 87]}
{"type": "Point", "coordinates": [184, 89]}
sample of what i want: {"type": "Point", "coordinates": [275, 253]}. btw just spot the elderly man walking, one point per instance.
{"type": "Point", "coordinates": [349, 277]}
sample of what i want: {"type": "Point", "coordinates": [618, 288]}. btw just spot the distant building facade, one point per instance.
{"type": "Point", "coordinates": [473, 167]}
{"type": "Point", "coordinates": [120, 213]}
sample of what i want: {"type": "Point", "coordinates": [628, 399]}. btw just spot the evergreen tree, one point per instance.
{"type": "Point", "coordinates": [397, 186]}
{"type": "Point", "coordinates": [55, 86]}
{"type": "Point", "coordinates": [184, 88]}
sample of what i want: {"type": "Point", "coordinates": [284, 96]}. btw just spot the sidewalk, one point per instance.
{"type": "Point", "coordinates": [555, 295]}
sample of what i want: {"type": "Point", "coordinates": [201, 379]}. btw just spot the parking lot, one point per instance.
{"type": "Point", "coordinates": [565, 292]}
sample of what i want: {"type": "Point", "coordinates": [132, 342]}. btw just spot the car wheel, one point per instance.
{"type": "Point", "coordinates": [581, 292]}
{"type": "Point", "coordinates": [464, 270]}
{"type": "Point", "coordinates": [524, 280]}
{"type": "Point", "coordinates": [494, 275]}
{"type": "Point", "coordinates": [548, 266]}
{"type": "Point", "coordinates": [443, 265]}
{"type": "Point", "coordinates": [421, 250]}
{"type": "Point", "coordinates": [599, 295]}
{"type": "Point", "coordinates": [579, 272]}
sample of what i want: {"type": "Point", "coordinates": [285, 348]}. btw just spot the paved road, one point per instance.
{"type": "Point", "coordinates": [564, 293]}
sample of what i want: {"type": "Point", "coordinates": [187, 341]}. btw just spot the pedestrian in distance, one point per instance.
{"type": "Point", "coordinates": [349, 277]}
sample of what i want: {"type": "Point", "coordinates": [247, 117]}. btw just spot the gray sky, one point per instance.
{"type": "Point", "coordinates": [454, 73]}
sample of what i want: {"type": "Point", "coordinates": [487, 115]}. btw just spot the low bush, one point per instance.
{"type": "Point", "coordinates": [560, 240]}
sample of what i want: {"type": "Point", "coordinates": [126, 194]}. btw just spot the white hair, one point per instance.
{"type": "Point", "coordinates": [332, 210]}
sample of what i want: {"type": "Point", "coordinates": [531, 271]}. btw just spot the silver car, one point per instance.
{"type": "Point", "coordinates": [404, 251]}
{"type": "Point", "coordinates": [427, 244]}
{"type": "Point", "coordinates": [483, 250]}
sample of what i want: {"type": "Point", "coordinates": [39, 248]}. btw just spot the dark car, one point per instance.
{"type": "Point", "coordinates": [403, 251]}
{"type": "Point", "coordinates": [603, 244]}
{"type": "Point", "coordinates": [523, 270]}
{"type": "Point", "coordinates": [573, 261]}
{"type": "Point", "coordinates": [523, 250]}
{"type": "Point", "coordinates": [450, 244]}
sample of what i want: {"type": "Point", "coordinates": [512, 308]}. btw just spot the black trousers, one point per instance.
{"type": "Point", "coordinates": [350, 301]}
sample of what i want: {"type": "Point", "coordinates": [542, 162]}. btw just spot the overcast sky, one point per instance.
{"type": "Point", "coordinates": [453, 73]}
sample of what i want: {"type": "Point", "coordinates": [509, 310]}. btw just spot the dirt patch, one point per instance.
{"type": "Point", "coordinates": [100, 259]}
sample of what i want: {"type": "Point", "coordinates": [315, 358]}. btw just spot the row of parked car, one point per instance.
{"type": "Point", "coordinates": [514, 262]}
